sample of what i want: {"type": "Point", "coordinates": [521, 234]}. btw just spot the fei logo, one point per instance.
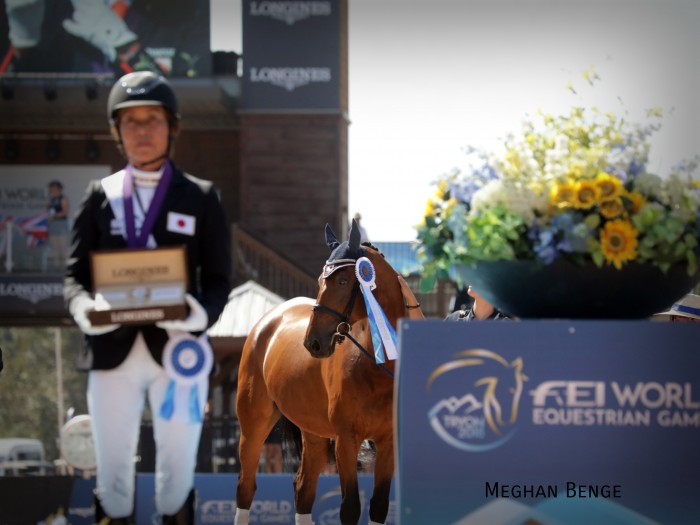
{"type": "Point", "coordinates": [480, 395]}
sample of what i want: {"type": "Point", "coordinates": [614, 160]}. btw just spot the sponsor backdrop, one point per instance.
{"type": "Point", "coordinates": [558, 422]}
{"type": "Point", "coordinates": [292, 55]}
{"type": "Point", "coordinates": [106, 37]}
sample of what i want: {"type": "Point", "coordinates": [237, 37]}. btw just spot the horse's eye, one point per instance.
{"type": "Point", "coordinates": [343, 281]}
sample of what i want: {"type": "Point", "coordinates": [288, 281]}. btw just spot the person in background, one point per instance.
{"type": "Point", "coordinates": [462, 300]}
{"type": "Point", "coordinates": [363, 232]}
{"type": "Point", "coordinates": [273, 451]}
{"type": "Point", "coordinates": [687, 310]}
{"type": "Point", "coordinates": [57, 216]}
{"type": "Point", "coordinates": [150, 203]}
{"type": "Point", "coordinates": [480, 310]}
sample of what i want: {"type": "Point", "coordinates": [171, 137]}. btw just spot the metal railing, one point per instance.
{"type": "Point", "coordinates": [253, 259]}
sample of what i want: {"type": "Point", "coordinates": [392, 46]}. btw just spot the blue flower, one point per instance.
{"type": "Point", "coordinates": [544, 243]}
{"type": "Point", "coordinates": [464, 189]}
{"type": "Point", "coordinates": [574, 232]}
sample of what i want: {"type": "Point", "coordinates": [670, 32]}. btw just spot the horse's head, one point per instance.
{"type": "Point", "coordinates": [339, 304]}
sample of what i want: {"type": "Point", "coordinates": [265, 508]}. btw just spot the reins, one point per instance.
{"type": "Point", "coordinates": [364, 351]}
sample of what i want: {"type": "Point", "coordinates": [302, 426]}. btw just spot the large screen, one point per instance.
{"type": "Point", "coordinates": [105, 36]}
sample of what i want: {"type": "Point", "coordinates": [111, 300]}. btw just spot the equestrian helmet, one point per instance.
{"type": "Point", "coordinates": [141, 88]}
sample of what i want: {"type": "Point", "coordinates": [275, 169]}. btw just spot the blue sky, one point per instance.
{"type": "Point", "coordinates": [428, 78]}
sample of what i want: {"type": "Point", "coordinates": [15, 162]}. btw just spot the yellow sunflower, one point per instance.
{"type": "Point", "coordinates": [441, 190]}
{"type": "Point", "coordinates": [429, 210]}
{"type": "Point", "coordinates": [609, 186]}
{"type": "Point", "coordinates": [586, 194]}
{"type": "Point", "coordinates": [637, 199]}
{"type": "Point", "coordinates": [611, 208]}
{"type": "Point", "coordinates": [618, 241]}
{"type": "Point", "coordinates": [562, 195]}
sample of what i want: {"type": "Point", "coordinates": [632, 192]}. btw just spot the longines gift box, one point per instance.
{"type": "Point", "coordinates": [139, 286]}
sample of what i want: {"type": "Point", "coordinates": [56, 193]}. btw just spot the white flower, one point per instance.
{"type": "Point", "coordinates": [649, 185]}
{"type": "Point", "coordinates": [512, 195]}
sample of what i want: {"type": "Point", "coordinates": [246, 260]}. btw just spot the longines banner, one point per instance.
{"type": "Point", "coordinates": [548, 422]}
{"type": "Point", "coordinates": [101, 36]}
{"type": "Point", "coordinates": [291, 54]}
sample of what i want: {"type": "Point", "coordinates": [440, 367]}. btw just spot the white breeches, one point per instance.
{"type": "Point", "coordinates": [116, 400]}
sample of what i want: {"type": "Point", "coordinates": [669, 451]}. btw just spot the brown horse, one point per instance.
{"type": "Point", "coordinates": [332, 389]}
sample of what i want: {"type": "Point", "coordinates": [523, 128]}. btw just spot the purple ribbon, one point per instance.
{"type": "Point", "coordinates": [141, 240]}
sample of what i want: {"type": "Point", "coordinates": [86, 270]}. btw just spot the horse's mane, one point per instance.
{"type": "Point", "coordinates": [370, 245]}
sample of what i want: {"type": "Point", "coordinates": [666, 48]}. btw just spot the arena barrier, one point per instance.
{"type": "Point", "coordinates": [30, 500]}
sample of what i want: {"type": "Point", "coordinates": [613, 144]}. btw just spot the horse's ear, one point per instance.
{"type": "Point", "coordinates": [331, 241]}
{"type": "Point", "coordinates": [354, 240]}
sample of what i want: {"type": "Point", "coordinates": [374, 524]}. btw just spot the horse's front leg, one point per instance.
{"type": "Point", "coordinates": [346, 450]}
{"type": "Point", "coordinates": [314, 455]}
{"type": "Point", "coordinates": [256, 415]}
{"type": "Point", "coordinates": [383, 472]}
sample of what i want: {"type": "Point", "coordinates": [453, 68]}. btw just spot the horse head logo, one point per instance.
{"type": "Point", "coordinates": [484, 417]}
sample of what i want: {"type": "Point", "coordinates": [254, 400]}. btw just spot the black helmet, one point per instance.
{"type": "Point", "coordinates": [142, 88]}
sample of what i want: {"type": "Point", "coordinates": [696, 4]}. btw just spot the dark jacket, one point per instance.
{"type": "Point", "coordinates": [208, 260]}
{"type": "Point", "coordinates": [468, 315]}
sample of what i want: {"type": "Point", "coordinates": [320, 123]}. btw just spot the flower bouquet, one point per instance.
{"type": "Point", "coordinates": [566, 221]}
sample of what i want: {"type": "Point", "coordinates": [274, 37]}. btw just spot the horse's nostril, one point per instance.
{"type": "Point", "coordinates": [312, 345]}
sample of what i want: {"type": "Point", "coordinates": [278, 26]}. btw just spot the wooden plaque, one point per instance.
{"type": "Point", "coordinates": [139, 286]}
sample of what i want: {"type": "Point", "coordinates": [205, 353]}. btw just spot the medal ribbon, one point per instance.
{"type": "Point", "coordinates": [383, 334]}
{"type": "Point", "coordinates": [686, 309]}
{"type": "Point", "coordinates": [141, 240]}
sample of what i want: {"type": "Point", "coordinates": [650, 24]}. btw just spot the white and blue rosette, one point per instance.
{"type": "Point", "coordinates": [187, 361]}
{"type": "Point", "coordinates": [383, 334]}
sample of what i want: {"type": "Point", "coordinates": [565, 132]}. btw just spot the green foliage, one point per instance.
{"type": "Point", "coordinates": [28, 384]}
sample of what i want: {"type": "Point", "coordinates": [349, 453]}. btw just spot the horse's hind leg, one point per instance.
{"type": "Point", "coordinates": [346, 450]}
{"type": "Point", "coordinates": [383, 471]}
{"type": "Point", "coordinates": [314, 456]}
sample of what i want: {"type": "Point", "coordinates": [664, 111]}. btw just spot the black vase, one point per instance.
{"type": "Point", "coordinates": [564, 290]}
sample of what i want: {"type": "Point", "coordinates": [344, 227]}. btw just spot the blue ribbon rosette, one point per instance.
{"type": "Point", "coordinates": [383, 334]}
{"type": "Point", "coordinates": [187, 361]}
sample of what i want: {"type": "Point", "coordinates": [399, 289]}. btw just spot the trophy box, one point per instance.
{"type": "Point", "coordinates": [141, 286]}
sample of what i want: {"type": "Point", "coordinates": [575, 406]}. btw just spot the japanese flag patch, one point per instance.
{"type": "Point", "coordinates": [180, 223]}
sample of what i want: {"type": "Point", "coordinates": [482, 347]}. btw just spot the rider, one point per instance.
{"type": "Point", "coordinates": [150, 203]}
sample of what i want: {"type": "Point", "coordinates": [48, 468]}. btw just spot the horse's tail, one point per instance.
{"type": "Point", "coordinates": [291, 444]}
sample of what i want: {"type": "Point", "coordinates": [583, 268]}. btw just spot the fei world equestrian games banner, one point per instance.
{"type": "Point", "coordinates": [291, 55]}
{"type": "Point", "coordinates": [548, 422]}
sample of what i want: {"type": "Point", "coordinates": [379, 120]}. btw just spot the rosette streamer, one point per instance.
{"type": "Point", "coordinates": [384, 337]}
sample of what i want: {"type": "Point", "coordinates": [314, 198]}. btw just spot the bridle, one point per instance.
{"type": "Point", "coordinates": [343, 329]}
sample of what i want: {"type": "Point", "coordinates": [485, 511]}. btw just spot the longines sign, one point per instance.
{"type": "Point", "coordinates": [31, 296]}
{"type": "Point", "coordinates": [292, 55]}
{"type": "Point", "coordinates": [290, 12]}
{"type": "Point", "coordinates": [549, 422]}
